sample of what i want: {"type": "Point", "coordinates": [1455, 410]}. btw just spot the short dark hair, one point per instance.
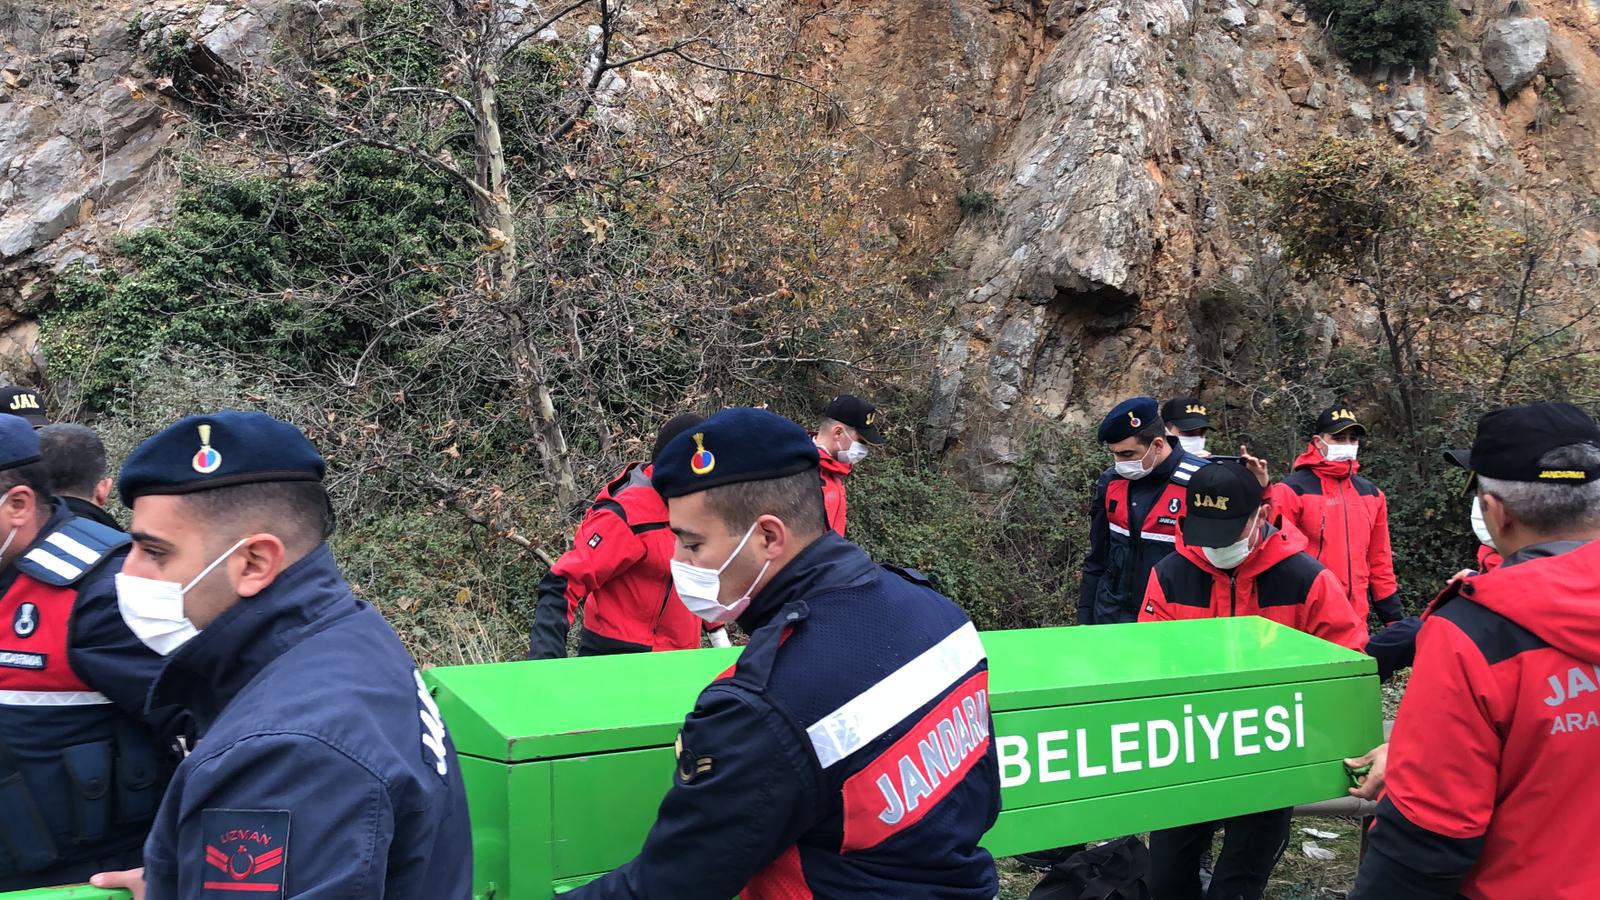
{"type": "Point", "coordinates": [34, 476]}
{"type": "Point", "coordinates": [796, 499]}
{"type": "Point", "coordinates": [75, 457]}
{"type": "Point", "coordinates": [1149, 431]}
{"type": "Point", "coordinates": [298, 512]}
{"type": "Point", "coordinates": [671, 428]}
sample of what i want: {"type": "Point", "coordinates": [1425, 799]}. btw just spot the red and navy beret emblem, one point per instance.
{"type": "Point", "coordinates": [703, 460]}
{"type": "Point", "coordinates": [246, 850]}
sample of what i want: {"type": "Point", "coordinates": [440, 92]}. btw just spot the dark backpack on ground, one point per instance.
{"type": "Point", "coordinates": [1111, 871]}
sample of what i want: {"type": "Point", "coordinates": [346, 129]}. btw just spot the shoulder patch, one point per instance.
{"type": "Point", "coordinates": [64, 556]}
{"type": "Point", "coordinates": [1289, 582]}
{"type": "Point", "coordinates": [911, 575]}
{"type": "Point", "coordinates": [245, 851]}
{"type": "Point", "coordinates": [1302, 482]}
{"type": "Point", "coordinates": [1364, 487]}
{"type": "Point", "coordinates": [1496, 637]}
{"type": "Point", "coordinates": [691, 766]}
{"type": "Point", "coordinates": [433, 749]}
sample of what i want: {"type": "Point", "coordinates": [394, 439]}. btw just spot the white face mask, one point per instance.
{"type": "Point", "coordinates": [699, 588]}
{"type": "Point", "coordinates": [1479, 526]}
{"type": "Point", "coordinates": [153, 609]}
{"type": "Point", "coordinates": [1133, 469]}
{"type": "Point", "coordinates": [1233, 555]}
{"type": "Point", "coordinates": [1195, 445]}
{"type": "Point", "coordinates": [853, 454]}
{"type": "Point", "coordinates": [1340, 452]}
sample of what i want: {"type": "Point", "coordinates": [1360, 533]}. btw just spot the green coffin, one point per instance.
{"type": "Point", "coordinates": [1102, 732]}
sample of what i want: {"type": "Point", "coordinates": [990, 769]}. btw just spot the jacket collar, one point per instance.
{"type": "Point", "coordinates": [1542, 551]}
{"type": "Point", "coordinates": [206, 673]}
{"type": "Point", "coordinates": [1164, 469]}
{"type": "Point", "coordinates": [831, 465]}
{"type": "Point", "coordinates": [830, 562]}
{"type": "Point", "coordinates": [1275, 546]}
{"type": "Point", "coordinates": [59, 515]}
{"type": "Point", "coordinates": [87, 509]}
{"type": "Point", "coordinates": [1314, 460]}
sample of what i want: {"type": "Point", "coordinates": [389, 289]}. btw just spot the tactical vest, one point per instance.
{"type": "Point", "coordinates": [78, 778]}
{"type": "Point", "coordinates": [1161, 523]}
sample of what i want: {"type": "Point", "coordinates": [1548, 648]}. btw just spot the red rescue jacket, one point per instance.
{"type": "Point", "coordinates": [1489, 559]}
{"type": "Point", "coordinates": [1345, 519]}
{"type": "Point", "coordinates": [1492, 781]}
{"type": "Point", "coordinates": [1278, 581]}
{"type": "Point", "coordinates": [834, 473]}
{"type": "Point", "coordinates": [619, 570]}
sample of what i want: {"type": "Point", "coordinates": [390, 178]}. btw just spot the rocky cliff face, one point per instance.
{"type": "Point", "coordinates": [87, 129]}
{"type": "Point", "coordinates": [1112, 188]}
{"type": "Point", "coordinates": [1096, 144]}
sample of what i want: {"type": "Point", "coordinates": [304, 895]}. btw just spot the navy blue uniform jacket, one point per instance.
{"type": "Point", "coordinates": [322, 770]}
{"type": "Point", "coordinates": [846, 755]}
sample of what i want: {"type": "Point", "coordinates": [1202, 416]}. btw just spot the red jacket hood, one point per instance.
{"type": "Point", "coordinates": [832, 466]}
{"type": "Point", "coordinates": [1556, 598]}
{"type": "Point", "coordinates": [1313, 459]}
{"type": "Point", "coordinates": [1277, 546]}
{"type": "Point", "coordinates": [641, 505]}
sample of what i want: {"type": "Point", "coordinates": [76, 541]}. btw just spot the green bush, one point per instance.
{"type": "Point", "coordinates": [1011, 560]}
{"type": "Point", "coordinates": [453, 597]}
{"type": "Point", "coordinates": [1386, 32]}
{"type": "Point", "coordinates": [248, 265]}
{"type": "Point", "coordinates": [976, 202]}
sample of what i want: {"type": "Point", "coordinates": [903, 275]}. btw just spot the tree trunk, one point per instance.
{"type": "Point", "coordinates": [497, 220]}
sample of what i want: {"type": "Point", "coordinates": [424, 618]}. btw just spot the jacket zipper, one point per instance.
{"type": "Point", "coordinates": [655, 630]}
{"type": "Point", "coordinates": [1349, 568]}
{"type": "Point", "coordinates": [1233, 595]}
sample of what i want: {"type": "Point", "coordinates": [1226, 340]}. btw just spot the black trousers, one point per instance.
{"type": "Point", "coordinates": [1251, 847]}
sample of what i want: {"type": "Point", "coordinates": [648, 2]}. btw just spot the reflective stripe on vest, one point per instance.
{"type": "Point", "coordinates": [52, 698]}
{"type": "Point", "coordinates": [865, 718]}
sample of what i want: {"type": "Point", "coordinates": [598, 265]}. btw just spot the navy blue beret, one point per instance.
{"type": "Point", "coordinates": [222, 449]}
{"type": "Point", "coordinates": [1128, 416]}
{"type": "Point", "coordinates": [19, 443]}
{"type": "Point", "coordinates": [739, 444]}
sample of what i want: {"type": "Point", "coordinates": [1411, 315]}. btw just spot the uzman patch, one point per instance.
{"type": "Point", "coordinates": [246, 851]}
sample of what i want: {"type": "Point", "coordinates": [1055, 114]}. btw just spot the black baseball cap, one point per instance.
{"type": "Point", "coordinates": [858, 414]}
{"type": "Point", "coordinates": [1337, 418]}
{"type": "Point", "coordinates": [1185, 413]}
{"type": "Point", "coordinates": [1511, 440]}
{"type": "Point", "coordinates": [24, 403]}
{"type": "Point", "coordinates": [1221, 498]}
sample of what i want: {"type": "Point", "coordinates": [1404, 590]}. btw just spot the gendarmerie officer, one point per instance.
{"type": "Point", "coordinates": [81, 772]}
{"type": "Point", "coordinates": [801, 770]}
{"type": "Point", "coordinates": [323, 768]}
{"type": "Point", "coordinates": [1137, 505]}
